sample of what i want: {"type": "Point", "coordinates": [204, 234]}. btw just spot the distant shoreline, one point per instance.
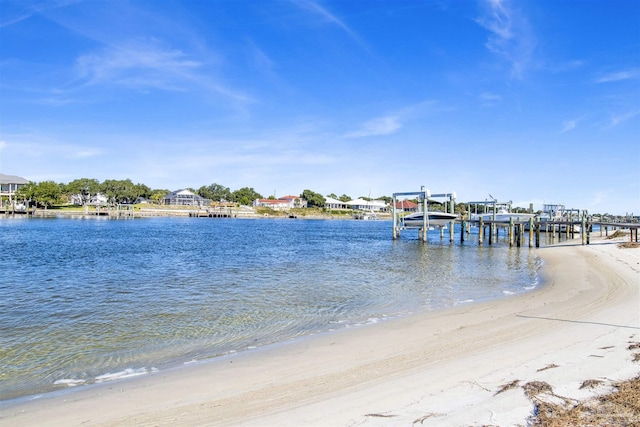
{"type": "Point", "coordinates": [184, 212]}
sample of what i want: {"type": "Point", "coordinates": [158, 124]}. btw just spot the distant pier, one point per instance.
{"type": "Point", "coordinates": [12, 211]}
{"type": "Point", "coordinates": [215, 212]}
{"type": "Point", "coordinates": [576, 223]}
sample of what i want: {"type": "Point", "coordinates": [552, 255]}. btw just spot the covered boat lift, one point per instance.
{"type": "Point", "coordinates": [424, 196]}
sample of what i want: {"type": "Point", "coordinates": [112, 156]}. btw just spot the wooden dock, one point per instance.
{"type": "Point", "coordinates": [10, 211]}
{"type": "Point", "coordinates": [517, 230]}
{"type": "Point", "coordinates": [554, 227]}
{"type": "Point", "coordinates": [215, 212]}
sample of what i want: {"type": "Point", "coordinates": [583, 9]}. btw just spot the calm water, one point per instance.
{"type": "Point", "coordinates": [89, 300]}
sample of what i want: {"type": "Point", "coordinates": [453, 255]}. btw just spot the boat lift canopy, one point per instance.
{"type": "Point", "coordinates": [425, 196]}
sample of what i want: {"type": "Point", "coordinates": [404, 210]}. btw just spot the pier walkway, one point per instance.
{"type": "Point", "coordinates": [488, 230]}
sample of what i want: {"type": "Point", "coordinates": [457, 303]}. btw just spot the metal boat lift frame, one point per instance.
{"type": "Point", "coordinates": [425, 196]}
{"type": "Point", "coordinates": [494, 203]}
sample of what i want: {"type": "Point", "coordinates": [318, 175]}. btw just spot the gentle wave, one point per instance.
{"type": "Point", "coordinates": [84, 301]}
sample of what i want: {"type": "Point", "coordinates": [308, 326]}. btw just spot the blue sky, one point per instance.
{"type": "Point", "coordinates": [529, 101]}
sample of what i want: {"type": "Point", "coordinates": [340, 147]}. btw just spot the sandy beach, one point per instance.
{"type": "Point", "coordinates": [462, 366]}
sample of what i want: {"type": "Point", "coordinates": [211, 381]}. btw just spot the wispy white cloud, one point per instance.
{"type": "Point", "coordinates": [136, 64]}
{"type": "Point", "coordinates": [393, 122]}
{"type": "Point", "coordinates": [260, 58]}
{"type": "Point", "coordinates": [85, 153]}
{"type": "Point", "coordinates": [511, 37]}
{"type": "Point", "coordinates": [489, 98]}
{"type": "Point", "coordinates": [616, 76]}
{"type": "Point", "coordinates": [617, 119]}
{"type": "Point", "coordinates": [65, 151]}
{"type": "Point", "coordinates": [318, 10]}
{"type": "Point", "coordinates": [16, 11]}
{"type": "Point", "coordinates": [569, 125]}
{"type": "Point", "coordinates": [147, 64]}
{"type": "Point", "coordinates": [561, 67]}
{"type": "Point", "coordinates": [385, 125]}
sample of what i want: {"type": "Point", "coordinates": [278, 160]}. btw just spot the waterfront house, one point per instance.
{"type": "Point", "coordinates": [281, 203]}
{"type": "Point", "coordinates": [368, 205]}
{"type": "Point", "coordinates": [9, 184]}
{"type": "Point", "coordinates": [406, 206]}
{"type": "Point", "coordinates": [334, 204]}
{"type": "Point", "coordinates": [294, 201]}
{"type": "Point", "coordinates": [185, 197]}
{"type": "Point", "coordinates": [93, 200]}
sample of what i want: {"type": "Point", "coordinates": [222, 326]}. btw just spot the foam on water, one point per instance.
{"type": "Point", "coordinates": [126, 373]}
{"type": "Point", "coordinates": [69, 382]}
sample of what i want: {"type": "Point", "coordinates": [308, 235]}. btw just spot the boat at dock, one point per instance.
{"type": "Point", "coordinates": [434, 219]}
{"type": "Point", "coordinates": [366, 216]}
{"type": "Point", "coordinates": [557, 217]}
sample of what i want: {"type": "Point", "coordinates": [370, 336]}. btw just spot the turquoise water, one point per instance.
{"type": "Point", "coordinates": [94, 299]}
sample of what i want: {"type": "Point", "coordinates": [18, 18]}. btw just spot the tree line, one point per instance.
{"type": "Point", "coordinates": [49, 193]}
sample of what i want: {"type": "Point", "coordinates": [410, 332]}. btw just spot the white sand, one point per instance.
{"type": "Point", "coordinates": [441, 368]}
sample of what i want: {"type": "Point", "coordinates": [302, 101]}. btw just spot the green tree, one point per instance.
{"type": "Point", "coordinates": [344, 198]}
{"type": "Point", "coordinates": [313, 199]}
{"type": "Point", "coordinates": [27, 192]}
{"type": "Point", "coordinates": [43, 194]}
{"type": "Point", "coordinates": [123, 191]}
{"type": "Point", "coordinates": [142, 191]}
{"type": "Point", "coordinates": [83, 186]}
{"type": "Point", "coordinates": [245, 196]}
{"type": "Point", "coordinates": [157, 195]}
{"type": "Point", "coordinates": [215, 192]}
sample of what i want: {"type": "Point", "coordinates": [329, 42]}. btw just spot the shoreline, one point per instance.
{"type": "Point", "coordinates": [444, 367]}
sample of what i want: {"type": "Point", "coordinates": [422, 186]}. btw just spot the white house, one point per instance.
{"type": "Point", "coordinates": [9, 184]}
{"type": "Point", "coordinates": [94, 200]}
{"type": "Point", "coordinates": [334, 204]}
{"type": "Point", "coordinates": [185, 197]}
{"type": "Point", "coordinates": [295, 201]}
{"type": "Point", "coordinates": [282, 203]}
{"type": "Point", "coordinates": [367, 205]}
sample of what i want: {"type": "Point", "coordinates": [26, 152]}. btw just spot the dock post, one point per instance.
{"type": "Point", "coordinates": [537, 235]}
{"type": "Point", "coordinates": [510, 233]}
{"type": "Point", "coordinates": [492, 230]}
{"type": "Point", "coordinates": [520, 230]}
{"type": "Point", "coordinates": [395, 219]}
{"type": "Point", "coordinates": [425, 210]}
{"type": "Point", "coordinates": [451, 225]}
{"type": "Point", "coordinates": [480, 231]}
{"type": "Point", "coordinates": [531, 232]}
{"type": "Point", "coordinates": [462, 231]}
